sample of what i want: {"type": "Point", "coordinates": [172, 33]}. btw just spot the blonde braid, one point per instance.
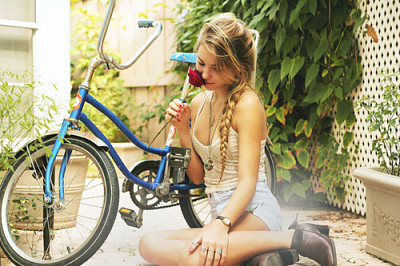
{"type": "Point", "coordinates": [226, 123]}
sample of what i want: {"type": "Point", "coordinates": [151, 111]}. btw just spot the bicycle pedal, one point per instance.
{"type": "Point", "coordinates": [289, 256]}
{"type": "Point", "coordinates": [130, 217]}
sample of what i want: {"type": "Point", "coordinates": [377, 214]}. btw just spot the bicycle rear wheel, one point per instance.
{"type": "Point", "coordinates": [194, 203]}
{"type": "Point", "coordinates": [33, 232]}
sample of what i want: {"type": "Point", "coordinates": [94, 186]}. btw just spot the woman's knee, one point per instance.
{"type": "Point", "coordinates": [146, 243]}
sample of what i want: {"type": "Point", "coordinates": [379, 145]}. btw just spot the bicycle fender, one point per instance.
{"type": "Point", "coordinates": [53, 134]}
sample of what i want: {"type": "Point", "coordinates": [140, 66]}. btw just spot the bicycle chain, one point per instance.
{"type": "Point", "coordinates": [168, 206]}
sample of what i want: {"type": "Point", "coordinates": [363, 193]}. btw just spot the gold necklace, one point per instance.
{"type": "Point", "coordinates": [209, 164]}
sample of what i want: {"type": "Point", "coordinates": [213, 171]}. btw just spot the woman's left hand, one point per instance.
{"type": "Point", "coordinates": [212, 242]}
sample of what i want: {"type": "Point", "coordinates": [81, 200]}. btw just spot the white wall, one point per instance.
{"type": "Point", "coordinates": [52, 54]}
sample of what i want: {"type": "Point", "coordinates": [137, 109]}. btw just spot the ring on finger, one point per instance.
{"type": "Point", "coordinates": [219, 251]}
{"type": "Point", "coordinates": [204, 249]}
{"type": "Point", "coordinates": [196, 241]}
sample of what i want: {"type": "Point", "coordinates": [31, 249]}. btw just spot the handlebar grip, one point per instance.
{"type": "Point", "coordinates": [145, 23]}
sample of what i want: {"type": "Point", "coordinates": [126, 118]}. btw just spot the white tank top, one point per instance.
{"type": "Point", "coordinates": [230, 176]}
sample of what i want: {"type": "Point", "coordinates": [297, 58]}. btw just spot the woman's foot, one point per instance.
{"type": "Point", "coordinates": [316, 246]}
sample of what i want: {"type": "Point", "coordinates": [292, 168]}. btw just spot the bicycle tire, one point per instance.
{"type": "Point", "coordinates": [34, 233]}
{"type": "Point", "coordinates": [196, 210]}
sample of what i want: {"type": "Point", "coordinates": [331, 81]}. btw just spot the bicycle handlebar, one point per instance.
{"type": "Point", "coordinates": [142, 24]}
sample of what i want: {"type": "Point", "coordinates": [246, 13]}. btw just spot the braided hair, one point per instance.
{"type": "Point", "coordinates": [231, 42]}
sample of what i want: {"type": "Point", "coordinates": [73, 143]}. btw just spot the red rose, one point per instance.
{"type": "Point", "coordinates": [195, 78]}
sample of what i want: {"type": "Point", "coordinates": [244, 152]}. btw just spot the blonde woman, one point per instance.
{"type": "Point", "coordinates": [227, 141]}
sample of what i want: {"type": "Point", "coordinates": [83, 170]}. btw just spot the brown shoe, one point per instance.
{"type": "Point", "coordinates": [271, 258]}
{"type": "Point", "coordinates": [323, 229]}
{"type": "Point", "coordinates": [316, 246]}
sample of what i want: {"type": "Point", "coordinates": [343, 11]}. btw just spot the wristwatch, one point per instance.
{"type": "Point", "coordinates": [225, 220]}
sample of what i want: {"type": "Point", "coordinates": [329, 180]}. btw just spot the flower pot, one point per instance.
{"type": "Point", "coordinates": [129, 153]}
{"type": "Point", "coordinates": [383, 215]}
{"type": "Point", "coordinates": [29, 187]}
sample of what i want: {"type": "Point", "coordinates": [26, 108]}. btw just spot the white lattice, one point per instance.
{"type": "Point", "coordinates": [384, 17]}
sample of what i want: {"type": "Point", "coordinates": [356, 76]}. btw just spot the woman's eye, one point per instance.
{"type": "Point", "coordinates": [202, 64]}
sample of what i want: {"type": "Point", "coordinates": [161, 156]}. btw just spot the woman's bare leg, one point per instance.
{"type": "Point", "coordinates": [163, 249]}
{"type": "Point", "coordinates": [248, 237]}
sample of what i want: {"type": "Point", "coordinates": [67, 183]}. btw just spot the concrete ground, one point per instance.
{"type": "Point", "coordinates": [121, 247]}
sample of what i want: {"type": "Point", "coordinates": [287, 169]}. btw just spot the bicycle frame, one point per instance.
{"type": "Point", "coordinates": [77, 115]}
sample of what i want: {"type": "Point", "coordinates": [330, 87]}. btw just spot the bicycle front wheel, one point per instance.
{"type": "Point", "coordinates": [64, 232]}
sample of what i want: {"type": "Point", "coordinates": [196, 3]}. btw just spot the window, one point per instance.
{"type": "Point", "coordinates": [17, 32]}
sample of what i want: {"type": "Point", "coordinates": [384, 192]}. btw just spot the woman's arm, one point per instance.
{"type": "Point", "coordinates": [250, 123]}
{"type": "Point", "coordinates": [182, 114]}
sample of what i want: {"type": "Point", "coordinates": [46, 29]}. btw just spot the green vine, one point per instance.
{"type": "Point", "coordinates": [308, 63]}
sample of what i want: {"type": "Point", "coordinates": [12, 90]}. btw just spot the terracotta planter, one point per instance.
{"type": "Point", "coordinates": [383, 215]}
{"type": "Point", "coordinates": [129, 153]}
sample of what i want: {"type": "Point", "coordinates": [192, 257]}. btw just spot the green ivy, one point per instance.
{"type": "Point", "coordinates": [308, 63]}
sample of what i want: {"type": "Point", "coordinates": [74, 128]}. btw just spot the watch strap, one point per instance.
{"type": "Point", "coordinates": [222, 218]}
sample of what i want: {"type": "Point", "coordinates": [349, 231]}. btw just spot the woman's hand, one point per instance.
{"type": "Point", "coordinates": [180, 113]}
{"type": "Point", "coordinates": [213, 243]}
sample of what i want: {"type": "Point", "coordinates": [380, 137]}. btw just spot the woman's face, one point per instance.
{"type": "Point", "coordinates": [206, 65]}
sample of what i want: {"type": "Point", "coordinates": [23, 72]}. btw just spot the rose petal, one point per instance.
{"type": "Point", "coordinates": [195, 78]}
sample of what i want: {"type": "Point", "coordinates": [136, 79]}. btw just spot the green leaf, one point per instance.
{"type": "Point", "coordinates": [339, 92]}
{"type": "Point", "coordinates": [276, 148]}
{"type": "Point", "coordinates": [287, 192]}
{"type": "Point", "coordinates": [297, 64]}
{"type": "Point", "coordinates": [304, 158]}
{"type": "Point", "coordinates": [312, 6]}
{"type": "Point", "coordinates": [319, 197]}
{"type": "Point", "coordinates": [308, 129]}
{"type": "Point", "coordinates": [321, 49]}
{"type": "Point", "coordinates": [299, 127]}
{"type": "Point", "coordinates": [301, 144]}
{"type": "Point", "coordinates": [287, 160]}
{"type": "Point", "coordinates": [295, 13]}
{"type": "Point", "coordinates": [280, 37]}
{"type": "Point", "coordinates": [285, 67]}
{"type": "Point", "coordinates": [299, 190]}
{"type": "Point", "coordinates": [312, 73]}
{"type": "Point", "coordinates": [322, 157]}
{"type": "Point", "coordinates": [315, 94]}
{"type": "Point", "coordinates": [351, 119]}
{"type": "Point", "coordinates": [347, 139]}
{"type": "Point", "coordinates": [286, 175]}
{"type": "Point", "coordinates": [280, 115]}
{"type": "Point", "coordinates": [345, 108]}
{"type": "Point", "coordinates": [274, 79]}
{"type": "Point", "coordinates": [256, 19]}
{"type": "Point", "coordinates": [270, 110]}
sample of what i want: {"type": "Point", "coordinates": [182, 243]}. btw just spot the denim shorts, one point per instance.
{"type": "Point", "coordinates": [263, 205]}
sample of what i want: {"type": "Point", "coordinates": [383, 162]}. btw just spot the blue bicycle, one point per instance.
{"type": "Point", "coordinates": [59, 204]}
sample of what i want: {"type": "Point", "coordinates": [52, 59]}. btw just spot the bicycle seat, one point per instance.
{"type": "Point", "coordinates": [184, 57]}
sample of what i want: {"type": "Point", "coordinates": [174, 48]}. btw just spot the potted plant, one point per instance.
{"type": "Point", "coordinates": [18, 121]}
{"type": "Point", "coordinates": [383, 184]}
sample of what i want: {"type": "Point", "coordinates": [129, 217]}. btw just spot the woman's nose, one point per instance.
{"type": "Point", "coordinates": [205, 74]}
